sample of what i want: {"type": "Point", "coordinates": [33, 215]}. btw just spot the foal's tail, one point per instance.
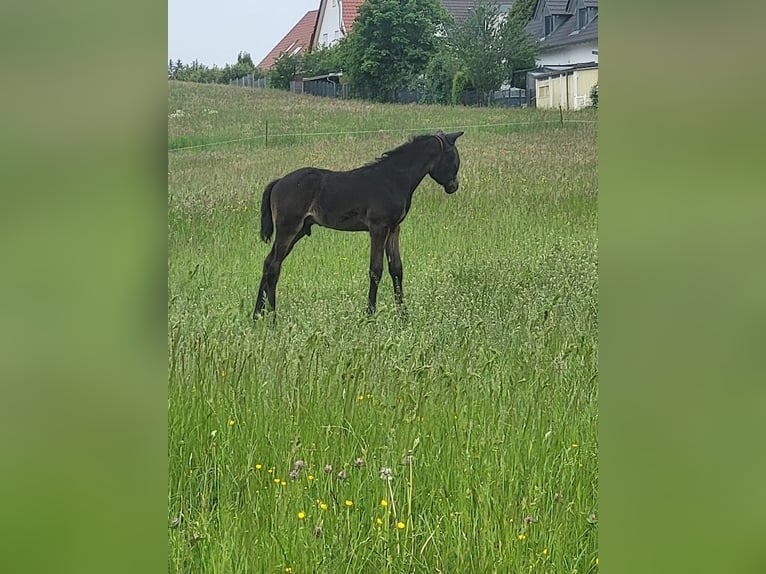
{"type": "Point", "coordinates": [267, 224]}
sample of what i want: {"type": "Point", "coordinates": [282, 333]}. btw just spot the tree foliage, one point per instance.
{"type": "Point", "coordinates": [490, 46]}
{"type": "Point", "coordinates": [326, 60]}
{"type": "Point", "coordinates": [196, 72]}
{"type": "Point", "coordinates": [283, 70]}
{"type": "Point", "coordinates": [391, 44]}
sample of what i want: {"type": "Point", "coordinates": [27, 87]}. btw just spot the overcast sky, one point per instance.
{"type": "Point", "coordinates": [215, 31]}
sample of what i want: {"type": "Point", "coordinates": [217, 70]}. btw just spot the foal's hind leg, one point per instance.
{"type": "Point", "coordinates": [287, 235]}
{"type": "Point", "coordinates": [395, 268]}
{"type": "Point", "coordinates": [377, 243]}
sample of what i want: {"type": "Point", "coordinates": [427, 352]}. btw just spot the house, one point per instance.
{"type": "Point", "coordinates": [567, 66]}
{"type": "Point", "coordinates": [335, 20]}
{"type": "Point", "coordinates": [336, 17]}
{"type": "Point", "coordinates": [297, 40]}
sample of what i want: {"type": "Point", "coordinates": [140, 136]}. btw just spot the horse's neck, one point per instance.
{"type": "Point", "coordinates": [410, 172]}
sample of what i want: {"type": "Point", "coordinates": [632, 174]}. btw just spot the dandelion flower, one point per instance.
{"type": "Point", "coordinates": [288, 570]}
{"type": "Point", "coordinates": [231, 422]}
{"type": "Point", "coordinates": [400, 525]}
{"type": "Point", "coordinates": [575, 445]}
{"type": "Point", "coordinates": [310, 477]}
{"type": "Point", "coordinates": [301, 515]}
{"type": "Point", "coordinates": [328, 468]}
{"type": "Point", "coordinates": [349, 503]}
{"type": "Point", "coordinates": [283, 483]}
{"type": "Point", "coordinates": [386, 473]}
{"type": "Point", "coordinates": [378, 521]}
{"type": "Point", "coordinates": [522, 537]}
{"type": "Point", "coordinates": [545, 552]}
{"type": "Point", "coordinates": [258, 466]}
{"type": "Point", "coordinates": [342, 475]}
{"type": "Point", "coordinates": [360, 397]}
{"type": "Point", "coordinates": [299, 464]}
{"type": "Point", "coordinates": [271, 470]}
{"type": "Point", "coordinates": [276, 481]}
{"type": "Point", "coordinates": [293, 474]}
{"type": "Point", "coordinates": [384, 502]}
{"type": "Point", "coordinates": [323, 505]}
{"type": "Point", "coordinates": [359, 462]}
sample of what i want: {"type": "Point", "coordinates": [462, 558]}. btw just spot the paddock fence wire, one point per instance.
{"type": "Point", "coordinates": [266, 136]}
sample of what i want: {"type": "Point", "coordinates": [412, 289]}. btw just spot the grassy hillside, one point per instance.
{"type": "Point", "coordinates": [484, 406]}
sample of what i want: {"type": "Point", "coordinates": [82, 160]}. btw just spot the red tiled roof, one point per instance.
{"type": "Point", "coordinates": [350, 12]}
{"type": "Point", "coordinates": [298, 39]}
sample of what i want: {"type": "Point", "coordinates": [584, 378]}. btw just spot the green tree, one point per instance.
{"type": "Point", "coordinates": [326, 60]}
{"type": "Point", "coordinates": [478, 45]}
{"type": "Point", "coordinates": [284, 70]}
{"type": "Point", "coordinates": [522, 11]}
{"type": "Point", "coordinates": [520, 49]}
{"type": "Point", "coordinates": [439, 74]}
{"type": "Point", "coordinates": [391, 44]}
{"type": "Point", "coordinates": [490, 46]}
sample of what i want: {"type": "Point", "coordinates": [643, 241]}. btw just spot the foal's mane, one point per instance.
{"type": "Point", "coordinates": [398, 151]}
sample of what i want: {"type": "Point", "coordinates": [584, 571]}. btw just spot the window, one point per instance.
{"type": "Point", "coordinates": [543, 91]}
{"type": "Point", "coordinates": [548, 25]}
{"type": "Point", "coordinates": [585, 16]}
{"type": "Point", "coordinates": [324, 38]}
{"type": "Point", "coordinates": [334, 3]}
{"type": "Point", "coordinates": [337, 34]}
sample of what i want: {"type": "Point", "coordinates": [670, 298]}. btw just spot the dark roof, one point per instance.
{"type": "Point", "coordinates": [296, 40]}
{"type": "Point", "coordinates": [567, 33]}
{"type": "Point", "coordinates": [549, 71]}
{"type": "Point", "coordinates": [459, 9]}
{"type": "Point", "coordinates": [557, 6]}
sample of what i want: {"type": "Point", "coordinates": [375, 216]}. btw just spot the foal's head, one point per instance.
{"type": "Point", "coordinates": [445, 171]}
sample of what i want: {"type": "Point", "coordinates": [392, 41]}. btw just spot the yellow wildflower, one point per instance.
{"type": "Point", "coordinates": [323, 505]}
{"type": "Point", "coordinates": [276, 481]}
{"type": "Point", "coordinates": [378, 521]}
{"type": "Point", "coordinates": [283, 483]}
{"type": "Point", "coordinates": [301, 515]}
{"type": "Point", "coordinates": [522, 536]}
{"type": "Point", "coordinates": [231, 422]}
{"type": "Point", "coordinates": [575, 445]}
{"type": "Point", "coordinates": [258, 466]}
{"type": "Point", "coordinates": [310, 477]}
{"type": "Point", "coordinates": [349, 503]}
{"type": "Point", "coordinates": [384, 502]}
{"type": "Point", "coordinates": [400, 525]}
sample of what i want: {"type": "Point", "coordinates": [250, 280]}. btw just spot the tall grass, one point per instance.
{"type": "Point", "coordinates": [483, 406]}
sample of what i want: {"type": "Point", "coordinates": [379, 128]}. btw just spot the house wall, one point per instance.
{"type": "Point", "coordinates": [572, 54]}
{"type": "Point", "coordinates": [330, 24]}
{"type": "Point", "coordinates": [571, 91]}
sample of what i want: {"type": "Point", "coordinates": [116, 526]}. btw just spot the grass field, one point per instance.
{"type": "Point", "coordinates": [462, 441]}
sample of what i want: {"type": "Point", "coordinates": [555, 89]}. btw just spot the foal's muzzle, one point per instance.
{"type": "Point", "coordinates": [452, 186]}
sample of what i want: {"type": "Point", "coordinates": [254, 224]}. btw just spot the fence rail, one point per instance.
{"type": "Point", "coordinates": [513, 97]}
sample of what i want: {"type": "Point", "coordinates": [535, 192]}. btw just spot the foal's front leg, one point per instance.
{"type": "Point", "coordinates": [377, 243]}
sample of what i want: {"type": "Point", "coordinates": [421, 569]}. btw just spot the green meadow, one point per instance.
{"type": "Point", "coordinates": [464, 440]}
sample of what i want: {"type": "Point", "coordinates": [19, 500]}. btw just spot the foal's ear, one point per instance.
{"type": "Point", "coordinates": [453, 136]}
